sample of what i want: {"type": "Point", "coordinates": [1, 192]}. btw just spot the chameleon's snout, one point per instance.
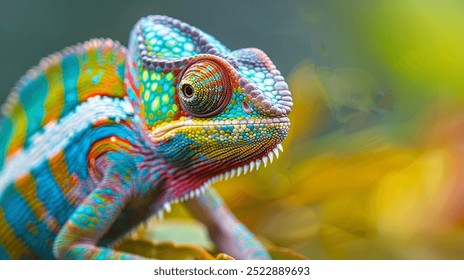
{"type": "Point", "coordinates": [262, 82]}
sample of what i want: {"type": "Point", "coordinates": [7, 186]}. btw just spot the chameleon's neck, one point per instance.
{"type": "Point", "coordinates": [164, 182]}
{"type": "Point", "coordinates": [160, 176]}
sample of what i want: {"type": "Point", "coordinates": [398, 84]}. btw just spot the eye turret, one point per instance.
{"type": "Point", "coordinates": [205, 88]}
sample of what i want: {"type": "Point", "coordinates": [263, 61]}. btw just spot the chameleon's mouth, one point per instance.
{"type": "Point", "coordinates": [243, 169]}
{"type": "Point", "coordinates": [224, 161]}
{"type": "Point", "coordinates": [165, 131]}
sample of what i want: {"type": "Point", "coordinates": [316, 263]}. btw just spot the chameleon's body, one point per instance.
{"type": "Point", "coordinates": [97, 138]}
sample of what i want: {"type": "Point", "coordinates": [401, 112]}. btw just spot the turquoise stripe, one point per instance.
{"type": "Point", "coordinates": [3, 253]}
{"type": "Point", "coordinates": [6, 129]}
{"type": "Point", "coordinates": [32, 97]}
{"type": "Point", "coordinates": [71, 71]}
{"type": "Point", "coordinates": [120, 70]}
{"type": "Point", "coordinates": [50, 193]}
{"type": "Point", "coordinates": [20, 218]}
{"type": "Point", "coordinates": [76, 154]}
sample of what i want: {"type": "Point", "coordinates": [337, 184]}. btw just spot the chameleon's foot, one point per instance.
{"type": "Point", "coordinates": [229, 235]}
{"type": "Point", "coordinates": [79, 236]}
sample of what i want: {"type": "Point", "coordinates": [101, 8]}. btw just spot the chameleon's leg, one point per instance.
{"type": "Point", "coordinates": [229, 234]}
{"type": "Point", "coordinates": [92, 219]}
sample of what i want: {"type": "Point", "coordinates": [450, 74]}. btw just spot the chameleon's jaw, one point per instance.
{"type": "Point", "coordinates": [219, 152]}
{"type": "Point", "coordinates": [242, 169]}
{"type": "Point", "coordinates": [165, 132]}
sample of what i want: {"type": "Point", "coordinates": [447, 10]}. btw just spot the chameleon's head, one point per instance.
{"type": "Point", "coordinates": [210, 111]}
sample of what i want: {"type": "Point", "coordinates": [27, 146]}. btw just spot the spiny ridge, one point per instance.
{"type": "Point", "coordinates": [256, 164]}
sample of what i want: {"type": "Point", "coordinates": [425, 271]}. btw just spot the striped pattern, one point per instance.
{"type": "Point", "coordinates": [42, 117]}
{"type": "Point", "coordinates": [55, 137]}
{"type": "Point", "coordinates": [37, 193]}
{"type": "Point", "coordinates": [56, 86]}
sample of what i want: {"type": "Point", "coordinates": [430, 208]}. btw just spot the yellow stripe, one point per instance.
{"type": "Point", "coordinates": [13, 245]}
{"type": "Point", "coordinates": [109, 84]}
{"type": "Point", "coordinates": [60, 172]}
{"type": "Point", "coordinates": [19, 123]}
{"type": "Point", "coordinates": [54, 102]}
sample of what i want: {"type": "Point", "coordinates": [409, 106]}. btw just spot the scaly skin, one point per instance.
{"type": "Point", "coordinates": [98, 138]}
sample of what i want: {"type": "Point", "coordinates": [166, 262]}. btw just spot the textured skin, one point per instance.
{"type": "Point", "coordinates": [97, 138]}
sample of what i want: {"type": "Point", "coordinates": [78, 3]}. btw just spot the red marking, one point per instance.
{"type": "Point", "coordinates": [101, 147]}
{"type": "Point", "coordinates": [101, 122]}
{"type": "Point", "coordinates": [265, 59]}
{"type": "Point", "coordinates": [12, 152]}
{"type": "Point", "coordinates": [131, 78]}
{"type": "Point", "coordinates": [176, 72]}
{"type": "Point", "coordinates": [107, 121]}
{"type": "Point", "coordinates": [30, 226]}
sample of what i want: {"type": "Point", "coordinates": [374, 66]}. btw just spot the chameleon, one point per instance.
{"type": "Point", "coordinates": [99, 137]}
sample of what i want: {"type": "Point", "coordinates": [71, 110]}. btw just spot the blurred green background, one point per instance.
{"type": "Point", "coordinates": [373, 166]}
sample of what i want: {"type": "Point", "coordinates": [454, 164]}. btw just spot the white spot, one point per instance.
{"type": "Point", "coordinates": [260, 75]}
{"type": "Point", "coordinates": [163, 31]}
{"type": "Point", "coordinates": [167, 207]}
{"type": "Point", "coordinates": [269, 82]}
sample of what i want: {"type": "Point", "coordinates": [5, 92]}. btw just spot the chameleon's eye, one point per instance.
{"type": "Point", "coordinates": [204, 89]}
{"type": "Point", "coordinates": [187, 91]}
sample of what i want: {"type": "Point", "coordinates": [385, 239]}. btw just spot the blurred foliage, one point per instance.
{"type": "Point", "coordinates": [373, 164]}
{"type": "Point", "coordinates": [190, 242]}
